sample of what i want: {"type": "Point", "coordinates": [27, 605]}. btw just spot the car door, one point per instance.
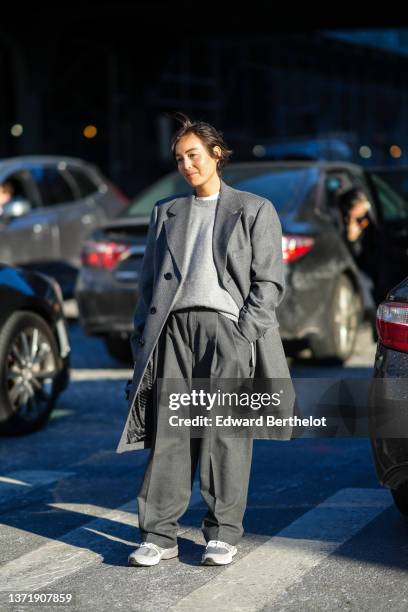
{"type": "Point", "coordinates": [32, 238]}
{"type": "Point", "coordinates": [106, 197]}
{"type": "Point", "coordinates": [74, 215]}
{"type": "Point", "coordinates": [86, 215]}
{"type": "Point", "coordinates": [384, 254]}
{"type": "Point", "coordinates": [76, 218]}
{"type": "Point", "coordinates": [391, 253]}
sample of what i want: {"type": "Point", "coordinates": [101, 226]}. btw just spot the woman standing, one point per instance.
{"type": "Point", "coordinates": [212, 276]}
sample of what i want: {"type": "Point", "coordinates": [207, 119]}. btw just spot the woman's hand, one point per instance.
{"type": "Point", "coordinates": [357, 221]}
{"type": "Point", "coordinates": [353, 230]}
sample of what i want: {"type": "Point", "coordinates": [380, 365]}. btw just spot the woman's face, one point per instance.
{"type": "Point", "coordinates": [194, 162]}
{"type": "Point", "coordinates": [360, 208]}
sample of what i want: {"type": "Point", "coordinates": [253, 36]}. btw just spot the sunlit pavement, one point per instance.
{"type": "Point", "coordinates": [320, 534]}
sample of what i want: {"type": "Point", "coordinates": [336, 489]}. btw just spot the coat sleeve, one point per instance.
{"type": "Point", "coordinates": [145, 286]}
{"type": "Point", "coordinates": [267, 288]}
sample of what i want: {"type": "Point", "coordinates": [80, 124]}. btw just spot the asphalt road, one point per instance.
{"type": "Point", "coordinates": [320, 534]}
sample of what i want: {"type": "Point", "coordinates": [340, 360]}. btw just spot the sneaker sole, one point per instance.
{"type": "Point", "coordinates": [166, 555]}
{"type": "Point", "coordinates": [215, 561]}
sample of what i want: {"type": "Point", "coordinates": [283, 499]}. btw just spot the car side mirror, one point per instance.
{"type": "Point", "coordinates": [17, 207]}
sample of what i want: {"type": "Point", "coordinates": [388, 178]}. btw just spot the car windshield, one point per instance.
{"type": "Point", "coordinates": [280, 185]}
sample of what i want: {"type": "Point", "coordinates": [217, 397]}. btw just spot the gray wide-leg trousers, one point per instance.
{"type": "Point", "coordinates": [198, 343]}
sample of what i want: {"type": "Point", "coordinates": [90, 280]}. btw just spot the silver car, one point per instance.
{"type": "Point", "coordinates": [48, 204]}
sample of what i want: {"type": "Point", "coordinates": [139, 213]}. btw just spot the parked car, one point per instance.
{"type": "Point", "coordinates": [323, 305]}
{"type": "Point", "coordinates": [34, 349]}
{"type": "Point", "coordinates": [389, 396]}
{"type": "Point", "coordinates": [54, 203]}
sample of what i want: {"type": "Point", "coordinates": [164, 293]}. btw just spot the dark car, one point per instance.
{"type": "Point", "coordinates": [54, 203]}
{"type": "Point", "coordinates": [389, 396]}
{"type": "Point", "coordinates": [324, 302]}
{"type": "Point", "coordinates": [34, 349]}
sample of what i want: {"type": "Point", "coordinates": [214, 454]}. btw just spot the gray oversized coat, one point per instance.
{"type": "Point", "coordinates": [247, 248]}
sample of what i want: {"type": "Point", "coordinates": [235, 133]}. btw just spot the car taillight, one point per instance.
{"type": "Point", "coordinates": [102, 254]}
{"type": "Point", "coordinates": [392, 325]}
{"type": "Point", "coordinates": [294, 246]}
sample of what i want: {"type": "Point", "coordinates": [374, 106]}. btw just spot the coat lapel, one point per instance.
{"type": "Point", "coordinates": [176, 224]}
{"type": "Point", "coordinates": [228, 212]}
{"type": "Point", "coordinates": [226, 216]}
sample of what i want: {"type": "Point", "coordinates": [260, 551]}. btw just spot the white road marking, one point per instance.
{"type": "Point", "coordinates": [248, 584]}
{"type": "Point", "coordinates": [257, 579]}
{"type": "Point", "coordinates": [101, 375]}
{"type": "Point", "coordinates": [72, 552]}
{"type": "Point", "coordinates": [94, 511]}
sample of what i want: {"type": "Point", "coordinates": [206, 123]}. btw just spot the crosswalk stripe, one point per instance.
{"type": "Point", "coordinates": [72, 552]}
{"type": "Point", "coordinates": [248, 584]}
{"type": "Point", "coordinates": [78, 375]}
{"type": "Point", "coordinates": [256, 580]}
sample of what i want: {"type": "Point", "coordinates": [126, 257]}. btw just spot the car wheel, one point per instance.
{"type": "Point", "coordinates": [400, 496]}
{"type": "Point", "coordinates": [29, 370]}
{"type": "Point", "coordinates": [119, 348]}
{"type": "Point", "coordinates": [341, 324]}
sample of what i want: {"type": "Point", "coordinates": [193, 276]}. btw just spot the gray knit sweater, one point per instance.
{"type": "Point", "coordinates": [200, 285]}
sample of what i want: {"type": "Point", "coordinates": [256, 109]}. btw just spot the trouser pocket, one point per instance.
{"type": "Point", "coordinates": [249, 346]}
{"type": "Point", "coordinates": [253, 357]}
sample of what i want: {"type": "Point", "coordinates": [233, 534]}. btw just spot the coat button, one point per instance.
{"type": "Point", "coordinates": [153, 310]}
{"type": "Point", "coordinates": [141, 341]}
{"type": "Point", "coordinates": [168, 275]}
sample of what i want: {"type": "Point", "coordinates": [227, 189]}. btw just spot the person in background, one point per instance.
{"type": "Point", "coordinates": [355, 208]}
{"type": "Point", "coordinates": [6, 194]}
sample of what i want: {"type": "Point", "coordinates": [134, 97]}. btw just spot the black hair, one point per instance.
{"type": "Point", "coordinates": [348, 198]}
{"type": "Point", "coordinates": [209, 135]}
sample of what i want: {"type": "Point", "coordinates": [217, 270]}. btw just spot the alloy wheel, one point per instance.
{"type": "Point", "coordinates": [31, 368]}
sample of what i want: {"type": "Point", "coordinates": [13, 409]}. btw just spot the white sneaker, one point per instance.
{"type": "Point", "coordinates": [150, 554]}
{"type": "Point", "coordinates": [218, 553]}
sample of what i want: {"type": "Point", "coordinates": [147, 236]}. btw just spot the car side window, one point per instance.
{"type": "Point", "coordinates": [336, 182]}
{"type": "Point", "coordinates": [54, 189]}
{"type": "Point", "coordinates": [393, 206]}
{"type": "Point", "coordinates": [21, 185]}
{"type": "Point", "coordinates": [86, 186]}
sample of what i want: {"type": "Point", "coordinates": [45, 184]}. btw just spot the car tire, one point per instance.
{"type": "Point", "coordinates": [400, 496]}
{"type": "Point", "coordinates": [119, 348]}
{"type": "Point", "coordinates": [340, 326]}
{"type": "Point", "coordinates": [30, 371]}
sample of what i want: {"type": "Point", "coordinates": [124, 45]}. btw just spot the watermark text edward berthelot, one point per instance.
{"type": "Point", "coordinates": [260, 421]}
